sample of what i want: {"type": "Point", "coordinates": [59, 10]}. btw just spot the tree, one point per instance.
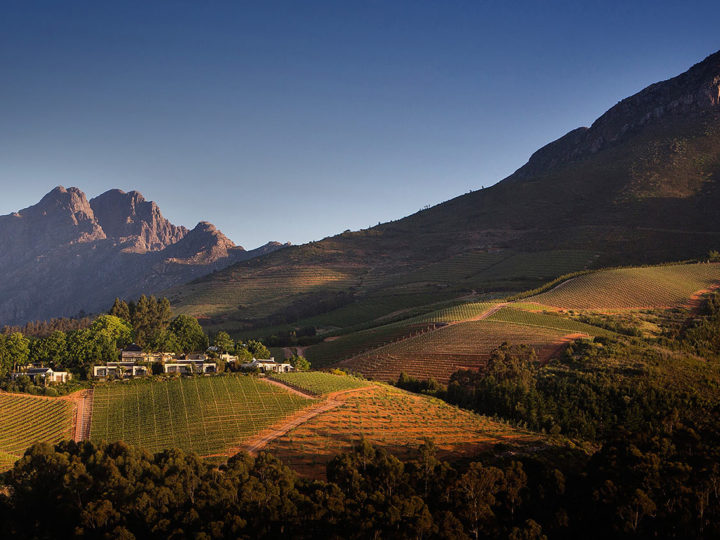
{"type": "Point", "coordinates": [50, 349]}
{"type": "Point", "coordinates": [120, 309]}
{"type": "Point", "coordinates": [189, 334]}
{"type": "Point", "coordinates": [300, 363]}
{"type": "Point", "coordinates": [17, 347]}
{"type": "Point", "coordinates": [223, 342]}
{"type": "Point", "coordinates": [117, 330]}
{"type": "Point", "coordinates": [257, 349]}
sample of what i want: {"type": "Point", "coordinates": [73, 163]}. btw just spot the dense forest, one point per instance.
{"type": "Point", "coordinates": [661, 483]}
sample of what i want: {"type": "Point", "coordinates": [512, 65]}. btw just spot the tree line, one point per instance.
{"type": "Point", "coordinates": [147, 322]}
{"type": "Point", "coordinates": [662, 483]}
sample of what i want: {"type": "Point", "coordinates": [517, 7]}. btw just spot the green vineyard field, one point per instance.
{"type": "Point", "coordinates": [627, 288]}
{"type": "Point", "coordinates": [206, 415]}
{"type": "Point", "coordinates": [28, 420]}
{"type": "Point", "coordinates": [319, 383]}
{"type": "Point", "coordinates": [554, 322]}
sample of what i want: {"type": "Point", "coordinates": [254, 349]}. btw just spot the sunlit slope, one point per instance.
{"type": "Point", "coordinates": [206, 415]}
{"type": "Point", "coordinates": [441, 352]}
{"type": "Point", "coordinates": [319, 383]}
{"type": "Point", "coordinates": [395, 420]}
{"type": "Point", "coordinates": [27, 420]}
{"type": "Point", "coordinates": [626, 288]}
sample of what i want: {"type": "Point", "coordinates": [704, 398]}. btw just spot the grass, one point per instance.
{"type": "Point", "coordinates": [319, 383]}
{"type": "Point", "coordinates": [28, 420]}
{"type": "Point", "coordinates": [395, 420]}
{"type": "Point", "coordinates": [439, 353]}
{"type": "Point", "coordinates": [555, 322]}
{"type": "Point", "coordinates": [628, 288]}
{"type": "Point", "coordinates": [206, 415]}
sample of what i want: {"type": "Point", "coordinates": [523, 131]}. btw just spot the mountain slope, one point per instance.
{"type": "Point", "coordinates": [67, 254]}
{"type": "Point", "coordinates": [639, 185]}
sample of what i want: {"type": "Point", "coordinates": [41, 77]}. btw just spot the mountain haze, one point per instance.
{"type": "Point", "coordinates": [66, 254]}
{"type": "Point", "coordinates": [640, 185]}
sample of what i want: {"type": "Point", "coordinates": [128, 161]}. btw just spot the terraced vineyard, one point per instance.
{"type": "Point", "coordinates": [328, 352]}
{"type": "Point", "coordinates": [395, 420]}
{"type": "Point", "coordinates": [27, 420]}
{"type": "Point", "coordinates": [555, 322]}
{"type": "Point", "coordinates": [462, 312]}
{"type": "Point", "coordinates": [627, 288]}
{"type": "Point", "coordinates": [440, 353]}
{"type": "Point", "coordinates": [319, 383]}
{"type": "Point", "coordinates": [206, 415]}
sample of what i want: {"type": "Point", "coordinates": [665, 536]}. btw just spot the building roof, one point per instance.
{"type": "Point", "coordinates": [39, 370]}
{"type": "Point", "coordinates": [133, 348]}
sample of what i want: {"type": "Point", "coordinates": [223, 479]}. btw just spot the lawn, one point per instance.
{"type": "Point", "coordinates": [206, 415]}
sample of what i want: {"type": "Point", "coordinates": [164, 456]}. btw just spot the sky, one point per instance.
{"type": "Point", "coordinates": [297, 120]}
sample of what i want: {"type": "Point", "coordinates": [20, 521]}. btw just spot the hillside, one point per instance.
{"type": "Point", "coordinates": [67, 254]}
{"type": "Point", "coordinates": [641, 185]}
{"type": "Point", "coordinates": [439, 343]}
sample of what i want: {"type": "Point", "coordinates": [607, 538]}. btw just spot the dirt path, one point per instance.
{"type": "Point", "coordinates": [83, 414]}
{"type": "Point", "coordinates": [485, 314]}
{"type": "Point", "coordinates": [289, 352]}
{"type": "Point", "coordinates": [556, 346]}
{"type": "Point", "coordinates": [265, 437]}
{"type": "Point", "coordinates": [288, 388]}
{"type": "Point", "coordinates": [695, 301]}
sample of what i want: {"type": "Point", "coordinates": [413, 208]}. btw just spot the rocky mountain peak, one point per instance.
{"type": "Point", "coordinates": [134, 222]}
{"type": "Point", "coordinates": [692, 94]}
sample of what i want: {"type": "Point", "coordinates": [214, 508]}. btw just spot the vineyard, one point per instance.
{"type": "Point", "coordinates": [28, 420]}
{"type": "Point", "coordinates": [395, 420]}
{"type": "Point", "coordinates": [554, 322]}
{"type": "Point", "coordinates": [206, 415]}
{"type": "Point", "coordinates": [331, 351]}
{"type": "Point", "coordinates": [440, 353]}
{"type": "Point", "coordinates": [626, 288]}
{"type": "Point", "coordinates": [462, 312]}
{"type": "Point", "coordinates": [319, 383]}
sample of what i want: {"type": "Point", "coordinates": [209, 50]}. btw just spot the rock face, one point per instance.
{"type": "Point", "coordinates": [67, 254]}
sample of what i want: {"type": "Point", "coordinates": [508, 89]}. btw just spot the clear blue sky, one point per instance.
{"type": "Point", "coordinates": [296, 120]}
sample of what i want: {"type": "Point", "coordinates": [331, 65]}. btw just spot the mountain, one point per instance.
{"type": "Point", "coordinates": [640, 185]}
{"type": "Point", "coordinates": [66, 254]}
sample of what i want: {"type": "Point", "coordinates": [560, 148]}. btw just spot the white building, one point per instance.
{"type": "Point", "coordinates": [267, 366]}
{"type": "Point", "coordinates": [46, 374]}
{"type": "Point", "coordinates": [122, 369]}
{"type": "Point", "coordinates": [189, 366]}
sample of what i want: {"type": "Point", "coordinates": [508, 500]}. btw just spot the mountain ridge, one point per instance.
{"type": "Point", "coordinates": [67, 254]}
{"type": "Point", "coordinates": [640, 185]}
